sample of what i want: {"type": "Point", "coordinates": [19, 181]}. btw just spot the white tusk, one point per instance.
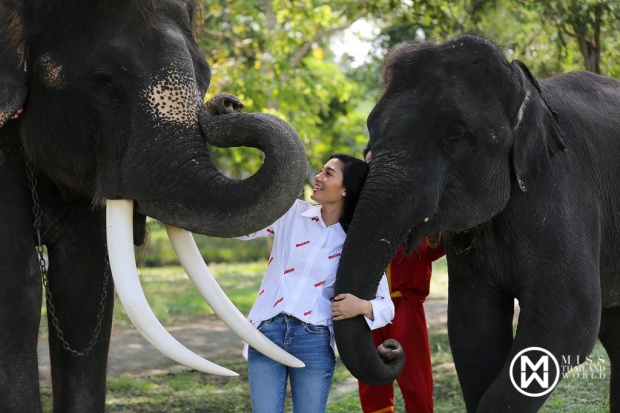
{"type": "Point", "coordinates": [119, 222]}
{"type": "Point", "coordinates": [191, 260]}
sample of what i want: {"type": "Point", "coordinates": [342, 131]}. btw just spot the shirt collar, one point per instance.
{"type": "Point", "coordinates": [314, 212]}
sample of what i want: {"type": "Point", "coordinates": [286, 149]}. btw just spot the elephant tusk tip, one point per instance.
{"type": "Point", "coordinates": [119, 223]}
{"type": "Point", "coordinates": [185, 247]}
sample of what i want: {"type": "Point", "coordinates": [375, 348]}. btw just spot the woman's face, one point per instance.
{"type": "Point", "coordinates": [328, 187]}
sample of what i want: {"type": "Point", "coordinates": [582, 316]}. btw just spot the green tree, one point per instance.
{"type": "Point", "coordinates": [592, 25]}
{"type": "Point", "coordinates": [551, 37]}
{"type": "Point", "coordinates": [274, 54]}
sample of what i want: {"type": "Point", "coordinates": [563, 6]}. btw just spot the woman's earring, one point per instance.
{"type": "Point", "coordinates": [344, 194]}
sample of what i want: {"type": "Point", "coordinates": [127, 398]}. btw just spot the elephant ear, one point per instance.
{"type": "Point", "coordinates": [13, 80]}
{"type": "Point", "coordinates": [537, 133]}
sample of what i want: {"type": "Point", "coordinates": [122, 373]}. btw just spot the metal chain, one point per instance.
{"type": "Point", "coordinates": [38, 215]}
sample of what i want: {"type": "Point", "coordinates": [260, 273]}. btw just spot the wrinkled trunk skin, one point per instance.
{"type": "Point", "coordinates": [205, 201]}
{"type": "Point", "coordinates": [382, 221]}
{"type": "Point", "coordinates": [364, 258]}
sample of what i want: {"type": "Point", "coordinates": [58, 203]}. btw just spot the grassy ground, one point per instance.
{"type": "Point", "coordinates": [173, 297]}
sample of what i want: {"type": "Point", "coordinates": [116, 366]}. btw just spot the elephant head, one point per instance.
{"type": "Point", "coordinates": [113, 96]}
{"type": "Point", "coordinates": [111, 111]}
{"type": "Point", "coordinates": [457, 130]}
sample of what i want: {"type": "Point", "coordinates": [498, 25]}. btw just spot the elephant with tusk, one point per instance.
{"type": "Point", "coordinates": [114, 129]}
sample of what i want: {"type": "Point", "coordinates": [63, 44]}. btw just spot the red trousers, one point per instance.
{"type": "Point", "coordinates": [416, 380]}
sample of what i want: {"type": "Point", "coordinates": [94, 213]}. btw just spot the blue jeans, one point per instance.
{"type": "Point", "coordinates": [309, 385]}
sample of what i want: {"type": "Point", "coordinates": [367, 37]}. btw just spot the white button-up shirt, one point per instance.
{"type": "Point", "coordinates": [301, 271]}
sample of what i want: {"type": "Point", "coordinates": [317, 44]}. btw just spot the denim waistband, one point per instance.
{"type": "Point", "coordinates": [285, 317]}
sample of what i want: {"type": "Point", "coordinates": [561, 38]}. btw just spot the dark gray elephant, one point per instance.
{"type": "Point", "coordinates": [523, 179]}
{"type": "Point", "coordinates": [112, 93]}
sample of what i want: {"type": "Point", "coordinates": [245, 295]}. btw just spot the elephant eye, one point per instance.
{"type": "Point", "coordinates": [102, 87]}
{"type": "Point", "coordinates": [458, 145]}
{"type": "Point", "coordinates": [103, 78]}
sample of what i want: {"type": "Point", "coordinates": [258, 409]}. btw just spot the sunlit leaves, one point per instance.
{"type": "Point", "coordinates": [588, 27]}
{"type": "Point", "coordinates": [275, 54]}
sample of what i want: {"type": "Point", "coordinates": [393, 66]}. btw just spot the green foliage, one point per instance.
{"type": "Point", "coordinates": [173, 297]}
{"type": "Point", "coordinates": [182, 391]}
{"type": "Point", "coordinates": [589, 26]}
{"type": "Point", "coordinates": [275, 55]}
{"type": "Point", "coordinates": [447, 391]}
{"type": "Point", "coordinates": [548, 36]}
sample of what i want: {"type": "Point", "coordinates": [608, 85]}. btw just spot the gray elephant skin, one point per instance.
{"type": "Point", "coordinates": [523, 179]}
{"type": "Point", "coordinates": [112, 93]}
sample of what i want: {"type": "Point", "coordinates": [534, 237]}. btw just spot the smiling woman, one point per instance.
{"type": "Point", "coordinates": [294, 303]}
{"type": "Point", "coordinates": [329, 191]}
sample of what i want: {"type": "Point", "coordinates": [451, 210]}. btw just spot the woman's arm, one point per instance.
{"type": "Point", "coordinates": [378, 312]}
{"type": "Point", "coordinates": [348, 305]}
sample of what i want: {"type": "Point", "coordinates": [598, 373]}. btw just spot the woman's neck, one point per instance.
{"type": "Point", "coordinates": [331, 214]}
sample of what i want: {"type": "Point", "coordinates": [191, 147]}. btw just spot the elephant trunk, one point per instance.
{"type": "Point", "coordinates": [372, 241]}
{"type": "Point", "coordinates": [353, 337]}
{"type": "Point", "coordinates": [207, 202]}
{"type": "Point", "coordinates": [376, 367]}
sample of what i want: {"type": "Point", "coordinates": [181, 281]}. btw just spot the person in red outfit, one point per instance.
{"type": "Point", "coordinates": [409, 277]}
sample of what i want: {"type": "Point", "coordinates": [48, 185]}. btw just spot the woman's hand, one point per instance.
{"type": "Point", "coordinates": [347, 306]}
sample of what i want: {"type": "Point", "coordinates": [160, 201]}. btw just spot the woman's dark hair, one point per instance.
{"type": "Point", "coordinates": [354, 173]}
{"type": "Point", "coordinates": [366, 150]}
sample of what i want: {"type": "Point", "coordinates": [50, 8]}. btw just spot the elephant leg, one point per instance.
{"type": "Point", "coordinates": [480, 332]}
{"type": "Point", "coordinates": [610, 337]}
{"type": "Point", "coordinates": [20, 289]}
{"type": "Point", "coordinates": [548, 319]}
{"type": "Point", "coordinates": [76, 281]}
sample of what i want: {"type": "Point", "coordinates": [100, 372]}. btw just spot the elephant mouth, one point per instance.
{"type": "Point", "coordinates": [119, 223]}
{"type": "Point", "coordinates": [415, 234]}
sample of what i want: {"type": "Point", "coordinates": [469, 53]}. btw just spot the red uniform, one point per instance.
{"type": "Point", "coordinates": [409, 278]}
